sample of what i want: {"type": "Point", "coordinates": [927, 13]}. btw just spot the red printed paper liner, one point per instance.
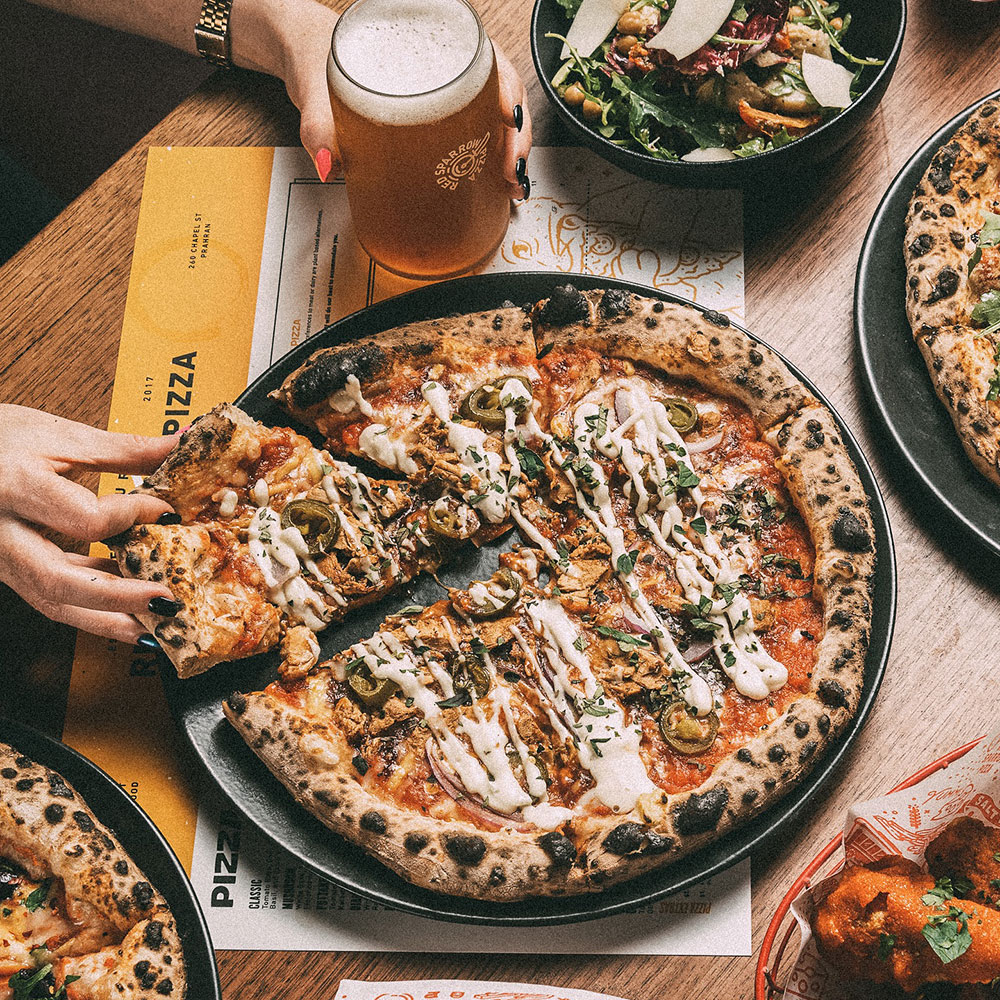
{"type": "Point", "coordinates": [902, 822]}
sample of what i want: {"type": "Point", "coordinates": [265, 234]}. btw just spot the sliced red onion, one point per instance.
{"type": "Point", "coordinates": [698, 650]}
{"type": "Point", "coordinates": [633, 625]}
{"type": "Point", "coordinates": [705, 444]}
{"type": "Point", "coordinates": [467, 802]}
{"type": "Point", "coordinates": [622, 410]}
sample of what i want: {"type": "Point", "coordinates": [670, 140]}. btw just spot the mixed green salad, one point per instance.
{"type": "Point", "coordinates": [707, 79]}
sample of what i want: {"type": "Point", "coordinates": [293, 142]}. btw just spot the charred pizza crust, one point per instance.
{"type": "Point", "coordinates": [47, 828]}
{"type": "Point", "coordinates": [315, 763]}
{"type": "Point", "coordinates": [944, 217]}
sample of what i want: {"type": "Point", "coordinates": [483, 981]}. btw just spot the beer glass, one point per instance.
{"type": "Point", "coordinates": [416, 102]}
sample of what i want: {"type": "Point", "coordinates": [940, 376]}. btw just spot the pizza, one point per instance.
{"type": "Point", "coordinates": [78, 919]}
{"type": "Point", "coordinates": [676, 631]}
{"type": "Point", "coordinates": [952, 251]}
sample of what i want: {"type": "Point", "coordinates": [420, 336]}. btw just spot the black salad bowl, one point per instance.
{"type": "Point", "coordinates": [876, 32]}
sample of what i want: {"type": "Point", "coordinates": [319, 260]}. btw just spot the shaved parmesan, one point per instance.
{"type": "Point", "coordinates": [712, 155]}
{"type": "Point", "coordinates": [691, 24]}
{"type": "Point", "coordinates": [829, 82]}
{"type": "Point", "coordinates": [594, 21]}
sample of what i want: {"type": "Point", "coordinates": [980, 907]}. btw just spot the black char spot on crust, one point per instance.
{"type": "Point", "coordinates": [465, 849]}
{"type": "Point", "coordinates": [701, 813]}
{"type": "Point", "coordinates": [940, 172]}
{"type": "Point", "coordinates": [566, 305]}
{"type": "Point", "coordinates": [329, 373]}
{"type": "Point", "coordinates": [626, 838]}
{"type": "Point", "coordinates": [615, 302]}
{"type": "Point", "coordinates": [237, 702]}
{"type": "Point", "coordinates": [850, 534]}
{"type": "Point", "coordinates": [415, 842]}
{"type": "Point", "coordinates": [559, 848]}
{"type": "Point", "coordinates": [945, 286]}
{"type": "Point", "coordinates": [373, 821]}
{"type": "Point", "coordinates": [832, 694]}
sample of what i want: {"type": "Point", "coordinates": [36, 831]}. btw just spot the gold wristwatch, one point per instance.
{"type": "Point", "coordinates": [211, 33]}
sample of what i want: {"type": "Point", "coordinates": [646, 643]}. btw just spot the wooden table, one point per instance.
{"type": "Point", "coordinates": [61, 305]}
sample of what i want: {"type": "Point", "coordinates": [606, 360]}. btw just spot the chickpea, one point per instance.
{"type": "Point", "coordinates": [574, 96]}
{"type": "Point", "coordinates": [625, 43]}
{"type": "Point", "coordinates": [837, 23]}
{"type": "Point", "coordinates": [631, 23]}
{"type": "Point", "coordinates": [795, 11]}
{"type": "Point", "coordinates": [591, 109]}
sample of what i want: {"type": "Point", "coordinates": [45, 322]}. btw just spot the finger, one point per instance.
{"type": "Point", "coordinates": [511, 88]}
{"type": "Point", "coordinates": [42, 574]}
{"type": "Point", "coordinates": [110, 625]}
{"type": "Point", "coordinates": [316, 129]}
{"type": "Point", "coordinates": [71, 509]}
{"type": "Point", "coordinates": [93, 562]}
{"type": "Point", "coordinates": [74, 445]}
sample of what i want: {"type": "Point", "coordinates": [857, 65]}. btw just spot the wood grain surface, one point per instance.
{"type": "Point", "coordinates": [62, 301]}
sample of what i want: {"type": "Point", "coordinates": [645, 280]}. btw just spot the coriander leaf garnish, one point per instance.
{"type": "Point", "coordinates": [36, 898]}
{"type": "Point", "coordinates": [886, 942]}
{"type": "Point", "coordinates": [948, 934]}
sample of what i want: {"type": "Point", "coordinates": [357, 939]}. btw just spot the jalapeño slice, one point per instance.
{"type": "Point", "coordinates": [492, 600]}
{"type": "Point", "coordinates": [485, 404]}
{"type": "Point", "coordinates": [684, 732]}
{"type": "Point", "coordinates": [682, 415]}
{"type": "Point", "coordinates": [372, 692]}
{"type": "Point", "coordinates": [317, 523]}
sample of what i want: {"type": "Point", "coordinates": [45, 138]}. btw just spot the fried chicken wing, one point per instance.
{"type": "Point", "coordinates": [872, 927]}
{"type": "Point", "coordinates": [968, 849]}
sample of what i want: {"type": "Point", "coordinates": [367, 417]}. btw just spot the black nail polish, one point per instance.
{"type": "Point", "coordinates": [518, 117]}
{"type": "Point", "coordinates": [520, 169]}
{"type": "Point", "coordinates": [526, 187]}
{"type": "Point", "coordinates": [164, 606]}
{"type": "Point", "coordinates": [169, 518]}
{"type": "Point", "coordinates": [147, 641]}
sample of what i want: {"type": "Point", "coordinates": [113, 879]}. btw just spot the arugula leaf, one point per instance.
{"type": "Point", "coordinates": [987, 311]}
{"type": "Point", "coordinates": [570, 6]}
{"type": "Point", "coordinates": [622, 638]}
{"type": "Point", "coordinates": [989, 235]}
{"type": "Point", "coordinates": [674, 110]}
{"type": "Point", "coordinates": [36, 898]}
{"type": "Point", "coordinates": [948, 934]}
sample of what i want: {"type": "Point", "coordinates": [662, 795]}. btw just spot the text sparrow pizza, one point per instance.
{"type": "Point", "coordinates": [678, 631]}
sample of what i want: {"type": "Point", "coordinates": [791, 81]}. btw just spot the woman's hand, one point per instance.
{"type": "Point", "coordinates": [37, 450]}
{"type": "Point", "coordinates": [304, 29]}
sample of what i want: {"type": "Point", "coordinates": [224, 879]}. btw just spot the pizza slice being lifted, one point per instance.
{"type": "Point", "coordinates": [276, 537]}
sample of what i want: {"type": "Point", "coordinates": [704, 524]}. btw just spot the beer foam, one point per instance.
{"type": "Point", "coordinates": [408, 52]}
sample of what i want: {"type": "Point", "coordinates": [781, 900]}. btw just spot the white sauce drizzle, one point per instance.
{"type": "Point", "coordinates": [376, 443]}
{"type": "Point", "coordinates": [351, 398]}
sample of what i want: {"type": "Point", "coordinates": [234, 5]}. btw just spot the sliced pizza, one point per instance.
{"type": "Point", "coordinates": [78, 919]}
{"type": "Point", "coordinates": [275, 534]}
{"type": "Point", "coordinates": [952, 253]}
{"type": "Point", "coordinates": [680, 634]}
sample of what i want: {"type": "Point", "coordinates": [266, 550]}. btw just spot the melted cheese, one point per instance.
{"type": "Point", "coordinates": [377, 444]}
{"type": "Point", "coordinates": [608, 745]}
{"type": "Point", "coordinates": [351, 398]}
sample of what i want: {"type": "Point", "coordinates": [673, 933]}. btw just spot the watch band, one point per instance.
{"type": "Point", "coordinates": [211, 33]}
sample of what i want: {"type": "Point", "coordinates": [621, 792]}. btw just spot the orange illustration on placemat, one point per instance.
{"type": "Point", "coordinates": [586, 238]}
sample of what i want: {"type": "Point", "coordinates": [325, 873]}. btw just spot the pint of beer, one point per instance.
{"type": "Point", "coordinates": [415, 96]}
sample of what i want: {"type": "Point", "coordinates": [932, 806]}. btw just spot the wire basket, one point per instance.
{"type": "Point", "coordinates": [766, 982]}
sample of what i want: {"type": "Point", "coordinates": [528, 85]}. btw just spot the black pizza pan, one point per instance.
{"type": "Point", "coordinates": [137, 833]}
{"type": "Point", "coordinates": [923, 443]}
{"type": "Point", "coordinates": [197, 702]}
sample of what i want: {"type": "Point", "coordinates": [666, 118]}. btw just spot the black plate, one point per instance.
{"type": "Point", "coordinates": [137, 833]}
{"type": "Point", "coordinates": [196, 703]}
{"type": "Point", "coordinates": [876, 31]}
{"type": "Point", "coordinates": [893, 369]}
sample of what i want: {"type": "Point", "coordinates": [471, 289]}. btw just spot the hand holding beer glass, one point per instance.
{"type": "Point", "coordinates": [416, 96]}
